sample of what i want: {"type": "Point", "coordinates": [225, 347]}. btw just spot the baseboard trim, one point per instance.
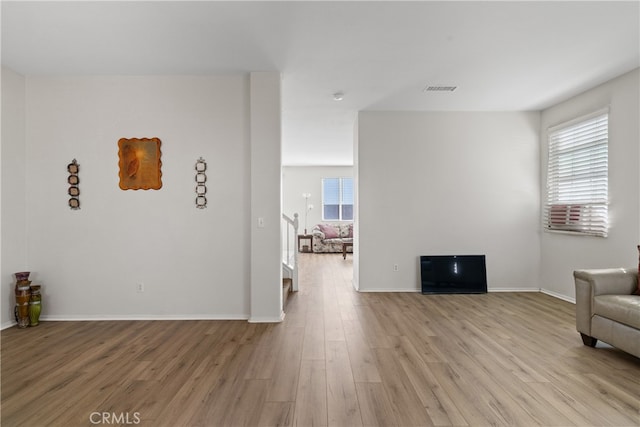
{"type": "Point", "coordinates": [7, 325]}
{"type": "Point", "coordinates": [103, 317]}
{"type": "Point", "coordinates": [267, 319]}
{"type": "Point", "coordinates": [133, 317]}
{"type": "Point", "coordinates": [419, 290]}
{"type": "Point", "coordinates": [559, 296]}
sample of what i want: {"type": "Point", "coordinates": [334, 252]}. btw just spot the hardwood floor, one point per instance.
{"type": "Point", "coordinates": [340, 358]}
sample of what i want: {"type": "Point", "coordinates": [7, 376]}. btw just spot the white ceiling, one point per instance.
{"type": "Point", "coordinates": [502, 56]}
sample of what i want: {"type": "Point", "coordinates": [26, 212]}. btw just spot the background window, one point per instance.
{"type": "Point", "coordinates": [577, 176]}
{"type": "Point", "coordinates": [337, 199]}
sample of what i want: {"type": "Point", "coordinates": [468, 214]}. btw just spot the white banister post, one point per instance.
{"type": "Point", "coordinates": [295, 223]}
{"type": "Point", "coordinates": [288, 238]}
{"type": "Point", "coordinates": [294, 280]}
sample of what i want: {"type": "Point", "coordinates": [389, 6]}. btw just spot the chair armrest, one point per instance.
{"type": "Point", "coordinates": [610, 281]}
{"type": "Point", "coordinates": [590, 283]}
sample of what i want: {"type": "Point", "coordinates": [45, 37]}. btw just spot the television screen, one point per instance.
{"type": "Point", "coordinates": [453, 274]}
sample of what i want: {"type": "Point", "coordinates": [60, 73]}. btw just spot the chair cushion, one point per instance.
{"type": "Point", "coordinates": [624, 309]}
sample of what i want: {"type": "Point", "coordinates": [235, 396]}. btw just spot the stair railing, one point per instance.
{"type": "Point", "coordinates": [290, 248]}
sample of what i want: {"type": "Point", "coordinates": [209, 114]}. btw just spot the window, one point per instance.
{"type": "Point", "coordinates": [577, 176]}
{"type": "Point", "coordinates": [337, 199]}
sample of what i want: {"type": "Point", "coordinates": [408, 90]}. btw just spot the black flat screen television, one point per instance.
{"type": "Point", "coordinates": [453, 274]}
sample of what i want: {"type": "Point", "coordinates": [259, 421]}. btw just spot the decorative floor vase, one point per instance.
{"type": "Point", "coordinates": [23, 296]}
{"type": "Point", "coordinates": [35, 306]}
{"type": "Point", "coordinates": [22, 276]}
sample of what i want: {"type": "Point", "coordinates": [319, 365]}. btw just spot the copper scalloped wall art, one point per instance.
{"type": "Point", "coordinates": [140, 163]}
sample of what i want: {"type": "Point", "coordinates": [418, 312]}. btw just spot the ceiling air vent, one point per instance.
{"type": "Point", "coordinates": [439, 88]}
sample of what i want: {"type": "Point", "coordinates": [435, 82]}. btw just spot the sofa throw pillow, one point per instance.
{"type": "Point", "coordinates": [329, 231]}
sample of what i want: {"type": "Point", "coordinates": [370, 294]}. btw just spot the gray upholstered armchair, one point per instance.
{"type": "Point", "coordinates": [606, 309]}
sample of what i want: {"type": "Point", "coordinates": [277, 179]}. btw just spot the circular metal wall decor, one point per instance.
{"type": "Point", "coordinates": [201, 179]}
{"type": "Point", "coordinates": [74, 180]}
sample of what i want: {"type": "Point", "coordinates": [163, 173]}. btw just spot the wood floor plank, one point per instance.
{"type": "Point", "coordinates": [484, 390]}
{"type": "Point", "coordinates": [361, 357]}
{"type": "Point", "coordinates": [616, 402]}
{"type": "Point", "coordinates": [266, 352]}
{"type": "Point", "coordinates": [247, 403]}
{"type": "Point", "coordinates": [524, 371]}
{"type": "Point", "coordinates": [536, 406]}
{"type": "Point", "coordinates": [333, 329]}
{"type": "Point", "coordinates": [342, 400]}
{"type": "Point", "coordinates": [570, 408]}
{"type": "Point", "coordinates": [284, 382]}
{"type": "Point", "coordinates": [313, 347]}
{"type": "Point", "coordinates": [440, 407]}
{"type": "Point", "coordinates": [375, 407]}
{"type": "Point", "coordinates": [180, 409]}
{"type": "Point", "coordinates": [311, 399]}
{"type": "Point", "coordinates": [373, 331]}
{"type": "Point", "coordinates": [405, 403]}
{"type": "Point", "coordinates": [224, 391]}
{"type": "Point", "coordinates": [276, 414]}
{"type": "Point", "coordinates": [474, 412]}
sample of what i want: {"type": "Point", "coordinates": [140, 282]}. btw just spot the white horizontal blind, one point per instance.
{"type": "Point", "coordinates": [577, 176]}
{"type": "Point", "coordinates": [330, 199]}
{"type": "Point", "coordinates": [337, 199]}
{"type": "Point", "coordinates": [346, 199]}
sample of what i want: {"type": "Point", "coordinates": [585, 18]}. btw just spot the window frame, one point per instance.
{"type": "Point", "coordinates": [577, 190]}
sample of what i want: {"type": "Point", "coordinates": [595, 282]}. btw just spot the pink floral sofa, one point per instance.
{"type": "Point", "coordinates": [328, 238]}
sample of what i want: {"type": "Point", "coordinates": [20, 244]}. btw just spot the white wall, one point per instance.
{"type": "Point", "coordinates": [297, 180]}
{"type": "Point", "coordinates": [561, 253]}
{"type": "Point", "coordinates": [194, 263]}
{"type": "Point", "coordinates": [448, 183]}
{"type": "Point", "coordinates": [13, 152]}
{"type": "Point", "coordinates": [266, 187]}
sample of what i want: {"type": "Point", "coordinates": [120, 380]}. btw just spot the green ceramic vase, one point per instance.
{"type": "Point", "coordinates": [35, 306]}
